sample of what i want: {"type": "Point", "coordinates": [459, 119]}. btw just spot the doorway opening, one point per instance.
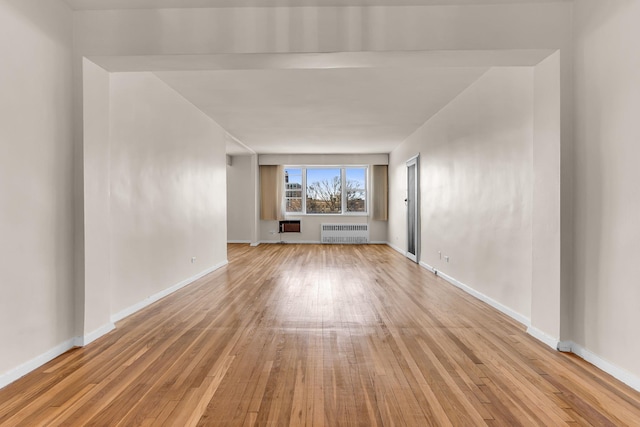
{"type": "Point", "coordinates": [413, 208]}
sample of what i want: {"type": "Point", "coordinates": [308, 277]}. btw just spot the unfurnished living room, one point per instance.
{"type": "Point", "coordinates": [319, 212]}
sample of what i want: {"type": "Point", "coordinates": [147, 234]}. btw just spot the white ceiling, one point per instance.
{"type": "Point", "coordinates": [343, 102]}
{"type": "Point", "coordinates": [354, 110]}
{"type": "Point", "coordinates": [165, 4]}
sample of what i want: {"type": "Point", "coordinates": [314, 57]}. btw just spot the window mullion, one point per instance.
{"type": "Point", "coordinates": [304, 191]}
{"type": "Point", "coordinates": [343, 195]}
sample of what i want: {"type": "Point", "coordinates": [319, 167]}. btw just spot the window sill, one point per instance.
{"type": "Point", "coordinates": [356, 214]}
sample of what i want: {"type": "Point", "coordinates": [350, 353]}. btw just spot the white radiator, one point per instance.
{"type": "Point", "coordinates": [344, 233]}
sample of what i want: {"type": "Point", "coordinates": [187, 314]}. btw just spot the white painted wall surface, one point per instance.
{"type": "Point", "coordinates": [36, 216]}
{"type": "Point", "coordinates": [94, 298]}
{"type": "Point", "coordinates": [168, 189]}
{"type": "Point", "coordinates": [547, 303]}
{"type": "Point", "coordinates": [310, 228]}
{"type": "Point", "coordinates": [606, 298]}
{"type": "Point", "coordinates": [476, 187]}
{"type": "Point", "coordinates": [322, 29]}
{"type": "Point", "coordinates": [36, 180]}
{"type": "Point", "coordinates": [241, 200]}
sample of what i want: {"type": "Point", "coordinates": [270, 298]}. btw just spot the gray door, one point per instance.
{"type": "Point", "coordinates": [413, 209]}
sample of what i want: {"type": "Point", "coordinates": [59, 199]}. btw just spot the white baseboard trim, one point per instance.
{"type": "Point", "coordinates": [626, 377]}
{"type": "Point", "coordinates": [153, 298]}
{"type": "Point", "coordinates": [20, 371]}
{"type": "Point", "coordinates": [254, 244]}
{"type": "Point", "coordinates": [307, 242]}
{"type": "Point", "coordinates": [92, 336]}
{"type": "Point", "coordinates": [543, 337]}
{"type": "Point", "coordinates": [623, 375]}
{"type": "Point", "coordinates": [239, 241]}
{"type": "Point", "coordinates": [479, 295]}
{"type": "Point", "coordinates": [565, 346]}
{"type": "Point", "coordinates": [428, 267]}
{"type": "Point", "coordinates": [33, 364]}
{"type": "Point", "coordinates": [291, 242]}
{"type": "Point", "coordinates": [397, 249]}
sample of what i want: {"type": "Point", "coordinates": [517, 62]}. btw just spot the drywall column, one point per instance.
{"type": "Point", "coordinates": [255, 179]}
{"type": "Point", "coordinates": [241, 200]}
{"type": "Point", "coordinates": [605, 291]}
{"type": "Point", "coordinates": [37, 291]}
{"type": "Point", "coordinates": [546, 239]}
{"type": "Point", "coordinates": [97, 292]}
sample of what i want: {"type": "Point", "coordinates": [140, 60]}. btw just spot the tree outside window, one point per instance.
{"type": "Point", "coordinates": [324, 191]}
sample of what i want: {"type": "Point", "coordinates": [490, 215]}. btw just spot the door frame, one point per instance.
{"type": "Point", "coordinates": [413, 201]}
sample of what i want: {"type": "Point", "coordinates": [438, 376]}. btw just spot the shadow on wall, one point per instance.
{"type": "Point", "coordinates": [39, 13]}
{"type": "Point", "coordinates": [595, 17]}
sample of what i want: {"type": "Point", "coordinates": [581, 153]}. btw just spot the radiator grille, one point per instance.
{"type": "Point", "coordinates": [344, 233]}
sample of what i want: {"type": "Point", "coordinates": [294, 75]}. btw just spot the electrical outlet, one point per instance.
{"type": "Point", "coordinates": [440, 254]}
{"type": "Point", "coordinates": [446, 258]}
{"type": "Point", "coordinates": [193, 260]}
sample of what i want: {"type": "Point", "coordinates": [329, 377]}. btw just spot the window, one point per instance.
{"type": "Point", "coordinates": [356, 189]}
{"type": "Point", "coordinates": [293, 190]}
{"type": "Point", "coordinates": [325, 190]}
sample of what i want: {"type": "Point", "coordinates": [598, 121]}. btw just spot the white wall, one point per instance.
{"type": "Point", "coordinates": [168, 189]}
{"type": "Point", "coordinates": [476, 187]}
{"type": "Point", "coordinates": [606, 299]}
{"type": "Point", "coordinates": [550, 302]}
{"type": "Point", "coordinates": [93, 301]}
{"type": "Point", "coordinates": [241, 199]}
{"type": "Point", "coordinates": [323, 29]}
{"type": "Point", "coordinates": [36, 181]}
{"type": "Point", "coordinates": [310, 228]}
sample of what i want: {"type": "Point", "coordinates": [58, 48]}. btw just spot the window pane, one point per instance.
{"type": "Point", "coordinates": [324, 191]}
{"type": "Point", "coordinates": [293, 190]}
{"type": "Point", "coordinates": [294, 205]}
{"type": "Point", "coordinates": [356, 188]}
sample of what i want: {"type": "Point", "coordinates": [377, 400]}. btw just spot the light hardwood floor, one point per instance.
{"type": "Point", "coordinates": [318, 335]}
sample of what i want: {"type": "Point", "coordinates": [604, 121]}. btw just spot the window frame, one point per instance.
{"type": "Point", "coordinates": [285, 198]}
{"type": "Point", "coordinates": [343, 205]}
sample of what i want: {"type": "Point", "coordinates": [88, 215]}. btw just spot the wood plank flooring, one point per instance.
{"type": "Point", "coordinates": [318, 335]}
